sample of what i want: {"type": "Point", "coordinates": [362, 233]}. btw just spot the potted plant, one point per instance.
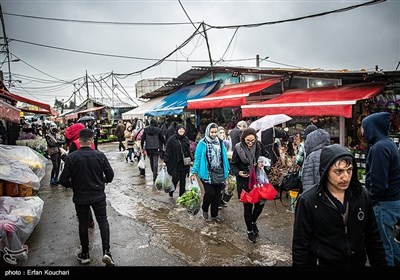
{"type": "Point", "coordinates": [230, 187]}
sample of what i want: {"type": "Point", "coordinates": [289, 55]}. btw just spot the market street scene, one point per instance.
{"type": "Point", "coordinates": [147, 139]}
{"type": "Point", "coordinates": [149, 229]}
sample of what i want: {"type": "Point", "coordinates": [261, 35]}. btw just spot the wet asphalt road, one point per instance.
{"type": "Point", "coordinates": [148, 229]}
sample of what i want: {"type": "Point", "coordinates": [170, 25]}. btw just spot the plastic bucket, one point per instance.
{"type": "Point", "coordinates": [226, 197]}
{"type": "Point", "coordinates": [293, 196]}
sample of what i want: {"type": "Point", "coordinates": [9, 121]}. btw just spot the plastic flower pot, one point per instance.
{"type": "Point", "coordinates": [226, 197]}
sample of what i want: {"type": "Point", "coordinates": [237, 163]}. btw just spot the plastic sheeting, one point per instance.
{"type": "Point", "coordinates": [18, 218]}
{"type": "Point", "coordinates": [174, 103]}
{"type": "Point", "coordinates": [231, 95]}
{"type": "Point", "coordinates": [22, 165]}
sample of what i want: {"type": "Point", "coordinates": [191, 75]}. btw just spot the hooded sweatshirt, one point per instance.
{"type": "Point", "coordinates": [314, 143]}
{"type": "Point", "coordinates": [321, 237]}
{"type": "Point", "coordinates": [382, 162]}
{"type": "Point", "coordinates": [152, 138]}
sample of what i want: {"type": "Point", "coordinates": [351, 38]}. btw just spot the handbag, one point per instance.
{"type": "Point", "coordinates": [217, 176]}
{"type": "Point", "coordinates": [291, 181]}
{"type": "Point", "coordinates": [187, 161]}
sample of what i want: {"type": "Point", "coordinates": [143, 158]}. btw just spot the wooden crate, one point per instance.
{"type": "Point", "coordinates": [11, 189]}
{"type": "Point", "coordinates": [25, 190]}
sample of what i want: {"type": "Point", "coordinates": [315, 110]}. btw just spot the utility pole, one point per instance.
{"type": "Point", "coordinates": [112, 88]}
{"type": "Point", "coordinates": [87, 86]}
{"type": "Point", "coordinates": [208, 46]}
{"type": "Point", "coordinates": [6, 46]}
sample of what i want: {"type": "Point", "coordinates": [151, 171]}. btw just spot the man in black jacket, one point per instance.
{"type": "Point", "coordinates": [87, 171]}
{"type": "Point", "coordinates": [152, 142]}
{"type": "Point", "coordinates": [334, 223]}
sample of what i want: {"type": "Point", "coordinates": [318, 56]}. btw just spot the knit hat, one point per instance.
{"type": "Point", "coordinates": [310, 128]}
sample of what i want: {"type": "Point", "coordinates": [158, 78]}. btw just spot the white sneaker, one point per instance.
{"type": "Point", "coordinates": [83, 258]}
{"type": "Point", "coordinates": [107, 259]}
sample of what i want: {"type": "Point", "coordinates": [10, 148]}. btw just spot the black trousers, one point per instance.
{"type": "Point", "coordinates": [251, 214]}
{"type": "Point", "coordinates": [56, 161]}
{"type": "Point", "coordinates": [100, 212]}
{"type": "Point", "coordinates": [181, 178]}
{"type": "Point", "coordinates": [212, 197]}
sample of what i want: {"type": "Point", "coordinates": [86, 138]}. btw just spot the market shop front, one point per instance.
{"type": "Point", "coordinates": [176, 102]}
{"type": "Point", "coordinates": [223, 105]}
{"type": "Point", "coordinates": [335, 108]}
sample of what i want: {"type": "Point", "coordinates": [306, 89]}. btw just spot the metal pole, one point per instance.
{"type": "Point", "coordinates": [6, 45]}
{"type": "Point", "coordinates": [208, 46]}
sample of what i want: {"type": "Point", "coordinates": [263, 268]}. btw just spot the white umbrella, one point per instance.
{"type": "Point", "coordinates": [269, 121]}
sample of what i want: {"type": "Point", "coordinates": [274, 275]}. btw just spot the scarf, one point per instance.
{"type": "Point", "coordinates": [246, 155]}
{"type": "Point", "coordinates": [213, 149]}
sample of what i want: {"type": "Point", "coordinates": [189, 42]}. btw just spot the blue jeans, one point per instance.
{"type": "Point", "coordinates": [387, 214]}
{"type": "Point", "coordinates": [130, 152]}
{"type": "Point", "coordinates": [100, 212]}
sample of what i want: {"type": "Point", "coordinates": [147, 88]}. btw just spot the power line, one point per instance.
{"type": "Point", "coordinates": [101, 22]}
{"type": "Point", "coordinates": [252, 25]}
{"type": "Point", "coordinates": [101, 54]}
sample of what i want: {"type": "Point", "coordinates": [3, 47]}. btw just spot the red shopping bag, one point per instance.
{"type": "Point", "coordinates": [267, 191]}
{"type": "Point", "coordinates": [250, 197]}
{"type": "Point", "coordinates": [243, 196]}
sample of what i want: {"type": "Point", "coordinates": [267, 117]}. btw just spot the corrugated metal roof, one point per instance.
{"type": "Point", "coordinates": [196, 72]}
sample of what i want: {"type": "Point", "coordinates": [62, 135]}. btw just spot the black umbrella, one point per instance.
{"type": "Point", "coordinates": [86, 119]}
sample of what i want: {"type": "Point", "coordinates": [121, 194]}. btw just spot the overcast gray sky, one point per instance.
{"type": "Point", "coordinates": [357, 39]}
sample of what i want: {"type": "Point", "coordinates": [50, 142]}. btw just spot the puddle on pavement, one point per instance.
{"type": "Point", "coordinates": [191, 238]}
{"type": "Point", "coordinates": [197, 242]}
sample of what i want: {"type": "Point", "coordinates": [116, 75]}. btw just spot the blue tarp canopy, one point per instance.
{"type": "Point", "coordinates": [174, 103]}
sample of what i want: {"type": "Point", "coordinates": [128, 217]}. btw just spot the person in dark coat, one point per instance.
{"type": "Point", "coordinates": [151, 142]}
{"type": "Point", "coordinates": [235, 133]}
{"type": "Point", "coordinates": [335, 224]}
{"type": "Point", "coordinates": [383, 180]}
{"type": "Point", "coordinates": [191, 130]}
{"type": "Point", "coordinates": [87, 171]}
{"type": "Point", "coordinates": [245, 157]}
{"type": "Point", "coordinates": [3, 133]}
{"type": "Point", "coordinates": [176, 149]}
{"type": "Point", "coordinates": [268, 140]}
{"type": "Point", "coordinates": [171, 130]}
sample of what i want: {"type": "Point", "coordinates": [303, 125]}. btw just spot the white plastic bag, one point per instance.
{"type": "Point", "coordinates": [142, 163]}
{"type": "Point", "coordinates": [22, 165]}
{"type": "Point", "coordinates": [164, 181]}
{"type": "Point", "coordinates": [191, 199]}
{"type": "Point", "coordinates": [190, 184]}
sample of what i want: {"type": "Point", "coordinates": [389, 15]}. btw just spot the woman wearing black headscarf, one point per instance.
{"type": "Point", "coordinates": [177, 148]}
